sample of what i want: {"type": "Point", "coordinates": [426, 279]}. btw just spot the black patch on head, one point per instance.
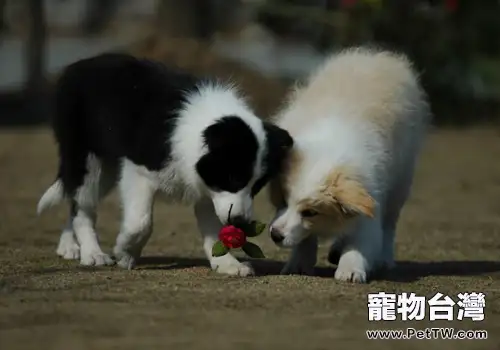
{"type": "Point", "coordinates": [232, 151]}
{"type": "Point", "coordinates": [279, 142]}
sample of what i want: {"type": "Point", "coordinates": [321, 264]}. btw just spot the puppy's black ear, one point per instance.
{"type": "Point", "coordinates": [205, 168]}
{"type": "Point", "coordinates": [278, 139]}
{"type": "Point", "coordinates": [279, 143]}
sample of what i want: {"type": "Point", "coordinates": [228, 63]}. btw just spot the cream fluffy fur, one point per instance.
{"type": "Point", "coordinates": [358, 124]}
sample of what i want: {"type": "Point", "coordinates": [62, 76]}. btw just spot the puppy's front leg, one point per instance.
{"type": "Point", "coordinates": [137, 195]}
{"type": "Point", "coordinates": [209, 227]}
{"type": "Point", "coordinates": [303, 258]}
{"type": "Point", "coordinates": [361, 253]}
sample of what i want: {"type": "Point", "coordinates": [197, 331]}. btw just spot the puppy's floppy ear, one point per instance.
{"type": "Point", "coordinates": [349, 193]}
{"type": "Point", "coordinates": [278, 144]}
{"type": "Point", "coordinates": [208, 168]}
{"type": "Point", "coordinates": [278, 139]}
{"type": "Point", "coordinates": [275, 193]}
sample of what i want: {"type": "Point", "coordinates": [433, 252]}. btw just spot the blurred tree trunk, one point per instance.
{"type": "Point", "coordinates": [99, 13]}
{"type": "Point", "coordinates": [187, 18]}
{"type": "Point", "coordinates": [3, 25]}
{"type": "Point", "coordinates": [35, 58]}
{"type": "Point", "coordinates": [206, 18]}
{"type": "Point", "coordinates": [326, 37]}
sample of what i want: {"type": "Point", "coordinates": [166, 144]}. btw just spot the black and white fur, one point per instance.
{"type": "Point", "coordinates": [155, 130]}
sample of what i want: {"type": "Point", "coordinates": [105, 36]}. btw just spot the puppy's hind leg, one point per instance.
{"type": "Point", "coordinates": [389, 227]}
{"type": "Point", "coordinates": [68, 247]}
{"type": "Point", "coordinates": [395, 203]}
{"type": "Point", "coordinates": [85, 215]}
{"type": "Point", "coordinates": [209, 226]}
{"type": "Point", "coordinates": [137, 192]}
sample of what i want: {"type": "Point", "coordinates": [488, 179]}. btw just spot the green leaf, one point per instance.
{"type": "Point", "coordinates": [254, 229]}
{"type": "Point", "coordinates": [253, 250]}
{"type": "Point", "coordinates": [259, 227]}
{"type": "Point", "coordinates": [219, 249]}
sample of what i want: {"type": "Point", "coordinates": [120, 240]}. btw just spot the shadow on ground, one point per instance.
{"type": "Point", "coordinates": [262, 267]}
{"type": "Point", "coordinates": [405, 271]}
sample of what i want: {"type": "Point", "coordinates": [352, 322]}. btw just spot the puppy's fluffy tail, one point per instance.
{"type": "Point", "coordinates": [52, 196]}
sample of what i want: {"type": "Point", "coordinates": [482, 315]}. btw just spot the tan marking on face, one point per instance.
{"type": "Point", "coordinates": [321, 204]}
{"type": "Point", "coordinates": [343, 191]}
{"type": "Point", "coordinates": [340, 197]}
{"type": "Point", "coordinates": [329, 218]}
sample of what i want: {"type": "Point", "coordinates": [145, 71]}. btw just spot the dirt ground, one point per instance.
{"type": "Point", "coordinates": [448, 242]}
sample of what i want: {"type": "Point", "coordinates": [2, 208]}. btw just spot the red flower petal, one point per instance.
{"type": "Point", "coordinates": [232, 237]}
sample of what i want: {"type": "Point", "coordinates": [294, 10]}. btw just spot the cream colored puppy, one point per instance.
{"type": "Point", "coordinates": [358, 123]}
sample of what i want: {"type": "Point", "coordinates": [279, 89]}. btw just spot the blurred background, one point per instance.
{"type": "Point", "coordinates": [262, 44]}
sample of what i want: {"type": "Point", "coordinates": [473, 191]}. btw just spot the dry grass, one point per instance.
{"type": "Point", "coordinates": [447, 242]}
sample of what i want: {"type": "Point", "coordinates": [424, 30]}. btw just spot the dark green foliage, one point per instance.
{"type": "Point", "coordinates": [456, 52]}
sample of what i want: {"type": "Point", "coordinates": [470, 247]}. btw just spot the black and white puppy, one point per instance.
{"type": "Point", "coordinates": [155, 130]}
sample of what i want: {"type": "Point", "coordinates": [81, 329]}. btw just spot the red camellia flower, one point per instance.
{"type": "Point", "coordinates": [232, 237]}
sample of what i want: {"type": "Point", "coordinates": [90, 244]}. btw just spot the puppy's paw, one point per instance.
{"type": "Point", "coordinates": [95, 258]}
{"type": "Point", "coordinates": [229, 265]}
{"type": "Point", "coordinates": [350, 275]}
{"type": "Point", "coordinates": [125, 259]}
{"type": "Point", "coordinates": [68, 248]}
{"type": "Point", "coordinates": [69, 252]}
{"type": "Point", "coordinates": [352, 268]}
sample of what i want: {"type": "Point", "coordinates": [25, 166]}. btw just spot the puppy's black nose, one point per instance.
{"type": "Point", "coordinates": [238, 220]}
{"type": "Point", "coordinates": [276, 236]}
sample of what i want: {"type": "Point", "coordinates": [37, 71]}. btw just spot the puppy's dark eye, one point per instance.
{"type": "Point", "coordinates": [308, 213]}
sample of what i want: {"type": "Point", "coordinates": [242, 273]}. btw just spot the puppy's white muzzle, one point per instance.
{"type": "Point", "coordinates": [233, 207]}
{"type": "Point", "coordinates": [286, 228]}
